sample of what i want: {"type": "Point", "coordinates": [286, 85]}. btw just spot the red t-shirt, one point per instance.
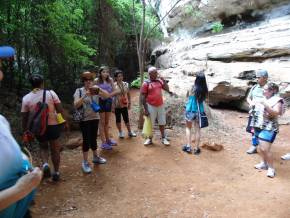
{"type": "Point", "coordinates": [153, 90]}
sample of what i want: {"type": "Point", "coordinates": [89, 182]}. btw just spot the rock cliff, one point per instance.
{"type": "Point", "coordinates": [231, 57]}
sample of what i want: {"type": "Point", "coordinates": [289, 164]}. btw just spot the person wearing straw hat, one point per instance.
{"type": "Point", "coordinates": [17, 178]}
{"type": "Point", "coordinates": [84, 97]}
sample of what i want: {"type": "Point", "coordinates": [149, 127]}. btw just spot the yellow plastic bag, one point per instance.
{"type": "Point", "coordinates": [60, 119]}
{"type": "Point", "coordinates": [147, 127]}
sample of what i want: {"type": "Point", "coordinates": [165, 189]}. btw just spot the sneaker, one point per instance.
{"type": "Point", "coordinates": [132, 134]}
{"type": "Point", "coordinates": [121, 135]}
{"type": "Point", "coordinates": [187, 148]}
{"type": "Point", "coordinates": [196, 151]}
{"type": "Point", "coordinates": [99, 160]}
{"type": "Point", "coordinates": [252, 150]}
{"type": "Point", "coordinates": [55, 176]}
{"type": "Point", "coordinates": [165, 141]}
{"type": "Point", "coordinates": [286, 156]}
{"type": "Point", "coordinates": [106, 146]}
{"type": "Point", "coordinates": [261, 166]}
{"type": "Point", "coordinates": [148, 141]}
{"type": "Point", "coordinates": [271, 172]}
{"type": "Point", "coordinates": [46, 171]}
{"type": "Point", "coordinates": [112, 142]}
{"type": "Point", "coordinates": [86, 167]}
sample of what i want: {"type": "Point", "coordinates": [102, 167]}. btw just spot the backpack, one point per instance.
{"type": "Point", "coordinates": [38, 119]}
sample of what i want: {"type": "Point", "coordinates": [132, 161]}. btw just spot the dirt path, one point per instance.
{"type": "Point", "coordinates": [159, 181]}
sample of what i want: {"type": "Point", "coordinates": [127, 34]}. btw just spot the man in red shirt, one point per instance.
{"type": "Point", "coordinates": [152, 100]}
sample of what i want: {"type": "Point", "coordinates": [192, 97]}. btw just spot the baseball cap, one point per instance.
{"type": "Point", "coordinates": [6, 52]}
{"type": "Point", "coordinates": [261, 73]}
{"type": "Point", "coordinates": [152, 69]}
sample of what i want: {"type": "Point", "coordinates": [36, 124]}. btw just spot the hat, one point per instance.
{"type": "Point", "coordinates": [152, 69]}
{"type": "Point", "coordinates": [88, 75]}
{"type": "Point", "coordinates": [261, 73]}
{"type": "Point", "coordinates": [6, 52]}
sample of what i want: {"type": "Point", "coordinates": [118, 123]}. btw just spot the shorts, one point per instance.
{"type": "Point", "coordinates": [157, 113]}
{"type": "Point", "coordinates": [52, 133]}
{"type": "Point", "coordinates": [191, 116]}
{"type": "Point", "coordinates": [265, 135]}
{"type": "Point", "coordinates": [106, 105]}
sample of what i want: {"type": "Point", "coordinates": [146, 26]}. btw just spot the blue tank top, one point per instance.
{"type": "Point", "coordinates": [191, 105]}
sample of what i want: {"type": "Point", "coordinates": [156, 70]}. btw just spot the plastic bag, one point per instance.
{"type": "Point", "coordinates": [147, 127]}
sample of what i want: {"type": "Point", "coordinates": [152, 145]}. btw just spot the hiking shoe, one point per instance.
{"type": "Point", "coordinates": [46, 171]}
{"type": "Point", "coordinates": [148, 141]}
{"type": "Point", "coordinates": [196, 151]}
{"type": "Point", "coordinates": [165, 141]}
{"type": "Point", "coordinates": [252, 150]}
{"type": "Point", "coordinates": [121, 135]}
{"type": "Point", "coordinates": [187, 148]}
{"type": "Point", "coordinates": [106, 146]}
{"type": "Point", "coordinates": [132, 134]}
{"type": "Point", "coordinates": [99, 160]}
{"type": "Point", "coordinates": [55, 176]}
{"type": "Point", "coordinates": [286, 156]}
{"type": "Point", "coordinates": [261, 166]}
{"type": "Point", "coordinates": [86, 167]}
{"type": "Point", "coordinates": [271, 172]}
{"type": "Point", "coordinates": [112, 142]}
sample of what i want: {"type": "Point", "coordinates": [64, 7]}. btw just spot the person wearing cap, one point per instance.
{"type": "Point", "coordinates": [18, 180]}
{"type": "Point", "coordinates": [152, 100]}
{"type": "Point", "coordinates": [255, 95]}
{"type": "Point", "coordinates": [50, 139]}
{"type": "Point", "coordinates": [83, 97]}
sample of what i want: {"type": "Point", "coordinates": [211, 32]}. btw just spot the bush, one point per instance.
{"type": "Point", "coordinates": [217, 27]}
{"type": "Point", "coordinates": [137, 82]}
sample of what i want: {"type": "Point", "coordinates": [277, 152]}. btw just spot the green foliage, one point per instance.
{"type": "Point", "coordinates": [124, 11]}
{"type": "Point", "coordinates": [60, 38]}
{"type": "Point", "coordinates": [217, 27]}
{"type": "Point", "coordinates": [137, 82]}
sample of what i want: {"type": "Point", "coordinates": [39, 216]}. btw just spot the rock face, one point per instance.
{"type": "Point", "coordinates": [230, 60]}
{"type": "Point", "coordinates": [194, 13]}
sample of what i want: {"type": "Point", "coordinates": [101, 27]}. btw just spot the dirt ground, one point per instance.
{"type": "Point", "coordinates": [160, 181]}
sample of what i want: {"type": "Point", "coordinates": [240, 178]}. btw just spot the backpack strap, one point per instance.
{"type": "Point", "coordinates": [80, 91]}
{"type": "Point", "coordinates": [44, 96]}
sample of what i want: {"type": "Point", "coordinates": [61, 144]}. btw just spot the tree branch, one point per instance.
{"type": "Point", "coordinates": [162, 18]}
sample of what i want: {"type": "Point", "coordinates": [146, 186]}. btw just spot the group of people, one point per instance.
{"type": "Point", "coordinates": [111, 96]}
{"type": "Point", "coordinates": [265, 107]}
{"type": "Point", "coordinates": [97, 99]}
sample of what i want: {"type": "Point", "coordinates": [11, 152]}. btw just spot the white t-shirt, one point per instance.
{"type": "Point", "coordinates": [30, 100]}
{"type": "Point", "coordinates": [11, 159]}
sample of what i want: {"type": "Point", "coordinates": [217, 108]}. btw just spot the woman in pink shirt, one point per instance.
{"type": "Point", "coordinates": [53, 130]}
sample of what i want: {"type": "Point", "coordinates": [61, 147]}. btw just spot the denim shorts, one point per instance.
{"type": "Point", "coordinates": [191, 116]}
{"type": "Point", "coordinates": [265, 135]}
{"type": "Point", "coordinates": [106, 105]}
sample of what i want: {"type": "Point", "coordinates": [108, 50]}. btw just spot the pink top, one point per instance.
{"type": "Point", "coordinates": [30, 100]}
{"type": "Point", "coordinates": [153, 89]}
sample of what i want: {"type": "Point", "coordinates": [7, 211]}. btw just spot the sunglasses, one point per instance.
{"type": "Point", "coordinates": [87, 80]}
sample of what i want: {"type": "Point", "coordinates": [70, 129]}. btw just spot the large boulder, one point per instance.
{"type": "Point", "coordinates": [230, 61]}
{"type": "Point", "coordinates": [188, 14]}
